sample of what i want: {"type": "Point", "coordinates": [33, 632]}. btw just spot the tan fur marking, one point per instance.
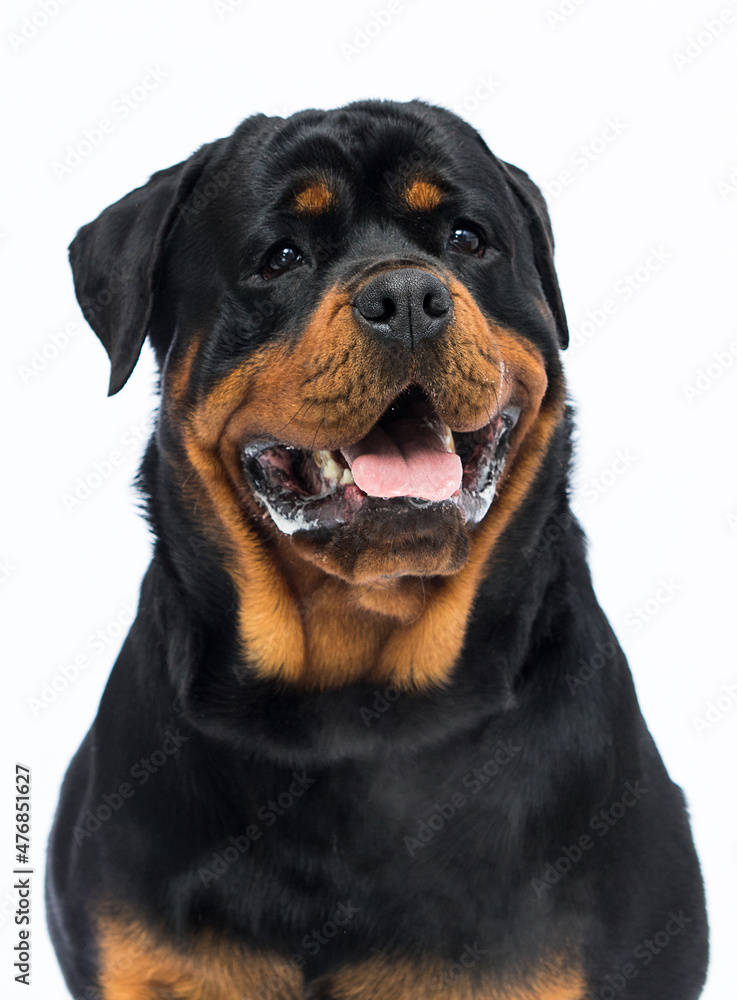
{"type": "Point", "coordinates": [346, 625]}
{"type": "Point", "coordinates": [422, 195]}
{"type": "Point", "coordinates": [559, 978]}
{"type": "Point", "coordinates": [137, 964]}
{"type": "Point", "coordinates": [269, 622]}
{"type": "Point", "coordinates": [316, 197]}
{"type": "Point", "coordinates": [177, 376]}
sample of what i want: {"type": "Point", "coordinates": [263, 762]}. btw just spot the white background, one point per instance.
{"type": "Point", "coordinates": [539, 92]}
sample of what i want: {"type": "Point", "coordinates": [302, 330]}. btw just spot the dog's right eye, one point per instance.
{"type": "Point", "coordinates": [467, 239]}
{"type": "Point", "coordinates": [281, 259]}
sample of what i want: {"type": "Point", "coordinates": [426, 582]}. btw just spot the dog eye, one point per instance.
{"type": "Point", "coordinates": [467, 240]}
{"type": "Point", "coordinates": [280, 260]}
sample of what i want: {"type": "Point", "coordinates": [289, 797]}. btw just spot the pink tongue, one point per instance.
{"type": "Point", "coordinates": [406, 458]}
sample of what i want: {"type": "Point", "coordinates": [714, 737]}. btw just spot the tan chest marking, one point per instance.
{"type": "Point", "coordinates": [559, 978]}
{"type": "Point", "coordinates": [137, 963]}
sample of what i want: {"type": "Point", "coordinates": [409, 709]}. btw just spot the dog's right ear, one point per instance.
{"type": "Point", "coordinates": [116, 262]}
{"type": "Point", "coordinates": [531, 198]}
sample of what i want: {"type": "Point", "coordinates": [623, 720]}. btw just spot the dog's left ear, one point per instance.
{"type": "Point", "coordinates": [533, 203]}
{"type": "Point", "coordinates": [116, 262]}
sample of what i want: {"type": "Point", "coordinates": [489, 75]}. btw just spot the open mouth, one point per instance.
{"type": "Point", "coordinates": [409, 457]}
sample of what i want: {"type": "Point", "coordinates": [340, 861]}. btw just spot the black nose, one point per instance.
{"type": "Point", "coordinates": [406, 304]}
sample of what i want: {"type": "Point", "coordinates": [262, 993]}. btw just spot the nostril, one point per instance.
{"type": "Point", "coordinates": [374, 307]}
{"type": "Point", "coordinates": [435, 305]}
{"type": "Point", "coordinates": [388, 309]}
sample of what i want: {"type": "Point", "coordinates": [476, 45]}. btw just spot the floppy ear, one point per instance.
{"type": "Point", "coordinates": [116, 262]}
{"type": "Point", "coordinates": [533, 203]}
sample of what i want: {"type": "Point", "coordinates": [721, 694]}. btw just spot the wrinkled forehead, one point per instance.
{"type": "Point", "coordinates": [317, 160]}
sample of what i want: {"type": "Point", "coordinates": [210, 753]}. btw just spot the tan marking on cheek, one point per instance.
{"type": "Point", "coordinates": [422, 195]}
{"type": "Point", "coordinates": [315, 198]}
{"type": "Point", "coordinates": [315, 392]}
{"type": "Point", "coordinates": [177, 376]}
{"type": "Point", "coordinates": [485, 366]}
{"type": "Point", "coordinates": [136, 963]}
{"type": "Point", "coordinates": [269, 624]}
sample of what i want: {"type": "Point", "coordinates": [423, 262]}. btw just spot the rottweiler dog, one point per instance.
{"type": "Point", "coordinates": [370, 734]}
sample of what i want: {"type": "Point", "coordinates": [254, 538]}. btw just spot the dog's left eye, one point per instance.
{"type": "Point", "coordinates": [467, 240]}
{"type": "Point", "coordinates": [280, 260]}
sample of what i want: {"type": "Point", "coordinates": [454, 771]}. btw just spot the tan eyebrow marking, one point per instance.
{"type": "Point", "coordinates": [315, 197]}
{"type": "Point", "coordinates": [422, 195]}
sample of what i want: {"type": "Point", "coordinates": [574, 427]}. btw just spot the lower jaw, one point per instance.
{"type": "Point", "coordinates": [388, 540]}
{"type": "Point", "coordinates": [326, 513]}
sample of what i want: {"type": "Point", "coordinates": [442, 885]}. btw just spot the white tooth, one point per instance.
{"type": "Point", "coordinates": [347, 478]}
{"type": "Point", "coordinates": [448, 439]}
{"type": "Point", "coordinates": [330, 468]}
{"type": "Point", "coordinates": [439, 427]}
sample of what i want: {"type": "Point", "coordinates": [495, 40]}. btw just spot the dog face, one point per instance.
{"type": "Point", "coordinates": [358, 323]}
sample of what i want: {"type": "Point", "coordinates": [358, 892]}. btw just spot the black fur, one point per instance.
{"type": "Point", "coordinates": [373, 767]}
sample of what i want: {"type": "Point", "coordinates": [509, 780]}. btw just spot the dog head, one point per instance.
{"type": "Point", "coordinates": [357, 321]}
